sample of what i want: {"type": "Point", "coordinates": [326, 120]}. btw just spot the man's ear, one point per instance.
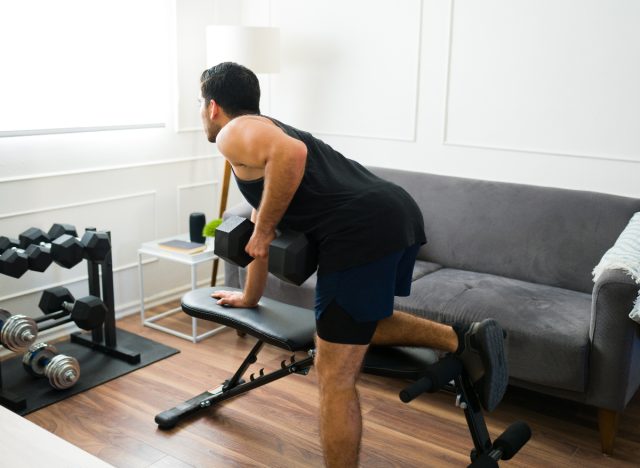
{"type": "Point", "coordinates": [213, 109]}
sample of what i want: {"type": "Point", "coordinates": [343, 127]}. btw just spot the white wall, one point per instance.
{"type": "Point", "coordinates": [532, 91]}
{"type": "Point", "coordinates": [537, 92]}
{"type": "Point", "coordinates": [140, 184]}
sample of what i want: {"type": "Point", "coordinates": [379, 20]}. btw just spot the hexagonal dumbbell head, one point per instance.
{"type": "Point", "coordinates": [89, 312]}
{"type": "Point", "coordinates": [232, 237]}
{"type": "Point", "coordinates": [6, 243]}
{"type": "Point", "coordinates": [33, 236]}
{"type": "Point", "coordinates": [59, 229]}
{"type": "Point", "coordinates": [13, 263]}
{"type": "Point", "coordinates": [97, 245]}
{"type": "Point", "coordinates": [38, 257]}
{"type": "Point", "coordinates": [52, 299]}
{"type": "Point", "coordinates": [292, 258]}
{"type": "Point", "coordinates": [67, 251]}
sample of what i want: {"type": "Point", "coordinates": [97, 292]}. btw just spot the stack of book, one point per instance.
{"type": "Point", "coordinates": [182, 246]}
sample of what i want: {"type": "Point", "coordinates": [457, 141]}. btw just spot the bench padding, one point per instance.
{"type": "Point", "coordinates": [282, 325]}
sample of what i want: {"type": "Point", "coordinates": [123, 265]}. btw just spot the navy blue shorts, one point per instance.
{"type": "Point", "coordinates": [349, 303]}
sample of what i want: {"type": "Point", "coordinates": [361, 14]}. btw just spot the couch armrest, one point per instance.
{"type": "Point", "coordinates": [614, 369]}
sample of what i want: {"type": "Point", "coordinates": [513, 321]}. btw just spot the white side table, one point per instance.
{"type": "Point", "coordinates": [151, 249]}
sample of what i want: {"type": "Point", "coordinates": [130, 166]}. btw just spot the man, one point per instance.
{"type": "Point", "coordinates": [368, 232]}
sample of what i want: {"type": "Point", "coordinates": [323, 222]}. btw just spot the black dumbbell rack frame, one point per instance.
{"type": "Point", "coordinates": [102, 339]}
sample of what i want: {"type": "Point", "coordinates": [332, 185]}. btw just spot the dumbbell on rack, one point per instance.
{"type": "Point", "coordinates": [65, 247]}
{"type": "Point", "coordinates": [43, 360]}
{"type": "Point", "coordinates": [292, 257]}
{"type": "Point", "coordinates": [15, 261]}
{"type": "Point", "coordinates": [17, 332]}
{"type": "Point", "coordinates": [36, 249]}
{"type": "Point", "coordinates": [88, 312]}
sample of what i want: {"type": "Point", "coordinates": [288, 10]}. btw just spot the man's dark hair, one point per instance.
{"type": "Point", "coordinates": [235, 88]}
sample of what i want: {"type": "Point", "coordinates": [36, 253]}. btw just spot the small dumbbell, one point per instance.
{"type": "Point", "coordinates": [15, 261]}
{"type": "Point", "coordinates": [43, 360]}
{"type": "Point", "coordinates": [292, 257]}
{"type": "Point", "coordinates": [66, 253]}
{"type": "Point", "coordinates": [32, 251]}
{"type": "Point", "coordinates": [87, 312]}
{"type": "Point", "coordinates": [17, 332]}
{"type": "Point", "coordinates": [66, 248]}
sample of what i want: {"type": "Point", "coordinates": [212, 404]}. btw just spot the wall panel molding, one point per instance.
{"type": "Point", "coordinates": [299, 113]}
{"type": "Point", "coordinates": [96, 201]}
{"type": "Point", "coordinates": [448, 141]}
{"type": "Point", "coordinates": [158, 162]}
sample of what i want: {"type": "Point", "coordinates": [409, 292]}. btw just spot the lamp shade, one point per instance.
{"type": "Point", "coordinates": [257, 48]}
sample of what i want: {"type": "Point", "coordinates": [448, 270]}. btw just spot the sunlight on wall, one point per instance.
{"type": "Point", "coordinates": [75, 63]}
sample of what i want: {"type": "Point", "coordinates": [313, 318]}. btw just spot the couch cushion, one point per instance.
{"type": "Point", "coordinates": [422, 268]}
{"type": "Point", "coordinates": [539, 234]}
{"type": "Point", "coordinates": [548, 328]}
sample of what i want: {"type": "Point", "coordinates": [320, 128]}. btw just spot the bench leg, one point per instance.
{"type": "Point", "coordinates": [608, 423]}
{"type": "Point", "coordinates": [234, 387]}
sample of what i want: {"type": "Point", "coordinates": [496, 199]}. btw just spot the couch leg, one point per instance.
{"type": "Point", "coordinates": [608, 424]}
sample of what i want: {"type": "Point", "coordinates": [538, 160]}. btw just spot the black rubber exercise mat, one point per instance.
{"type": "Point", "coordinates": [95, 368]}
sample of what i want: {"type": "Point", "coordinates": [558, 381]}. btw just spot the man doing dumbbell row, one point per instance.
{"type": "Point", "coordinates": [296, 181]}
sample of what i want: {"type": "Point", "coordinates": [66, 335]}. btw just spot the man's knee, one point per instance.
{"type": "Point", "coordinates": [338, 365]}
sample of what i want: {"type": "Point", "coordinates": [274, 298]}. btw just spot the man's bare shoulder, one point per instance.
{"type": "Point", "coordinates": [246, 125]}
{"type": "Point", "coordinates": [244, 138]}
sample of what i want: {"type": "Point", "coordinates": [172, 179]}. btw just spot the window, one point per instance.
{"type": "Point", "coordinates": [82, 65]}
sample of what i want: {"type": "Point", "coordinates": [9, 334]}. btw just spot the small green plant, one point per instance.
{"type": "Point", "coordinates": [209, 229]}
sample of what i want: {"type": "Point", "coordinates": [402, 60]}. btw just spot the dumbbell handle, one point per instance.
{"type": "Point", "coordinates": [54, 316]}
{"type": "Point", "coordinates": [67, 307]}
{"type": "Point", "coordinates": [55, 324]}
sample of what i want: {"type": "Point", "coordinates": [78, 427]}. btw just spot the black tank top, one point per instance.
{"type": "Point", "coordinates": [353, 216]}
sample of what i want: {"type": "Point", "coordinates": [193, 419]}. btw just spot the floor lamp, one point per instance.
{"type": "Point", "coordinates": [257, 48]}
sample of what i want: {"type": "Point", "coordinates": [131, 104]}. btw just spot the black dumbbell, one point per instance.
{"type": "Point", "coordinates": [88, 312]}
{"type": "Point", "coordinates": [65, 248]}
{"type": "Point", "coordinates": [32, 251]}
{"type": "Point", "coordinates": [17, 332]}
{"type": "Point", "coordinates": [292, 258]}
{"type": "Point", "coordinates": [43, 360]}
{"type": "Point", "coordinates": [15, 261]}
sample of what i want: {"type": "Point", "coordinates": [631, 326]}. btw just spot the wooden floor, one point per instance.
{"type": "Point", "coordinates": [276, 425]}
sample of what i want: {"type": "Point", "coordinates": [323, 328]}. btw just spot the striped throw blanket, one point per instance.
{"type": "Point", "coordinates": [625, 255]}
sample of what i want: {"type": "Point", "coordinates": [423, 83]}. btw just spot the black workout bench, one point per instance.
{"type": "Point", "coordinates": [292, 329]}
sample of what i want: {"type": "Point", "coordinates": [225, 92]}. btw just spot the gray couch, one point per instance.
{"type": "Point", "coordinates": [524, 256]}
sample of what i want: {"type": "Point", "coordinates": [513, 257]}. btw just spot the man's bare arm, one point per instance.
{"type": "Point", "coordinates": [254, 286]}
{"type": "Point", "coordinates": [254, 143]}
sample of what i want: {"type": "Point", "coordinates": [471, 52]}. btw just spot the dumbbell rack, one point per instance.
{"type": "Point", "coordinates": [102, 339]}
